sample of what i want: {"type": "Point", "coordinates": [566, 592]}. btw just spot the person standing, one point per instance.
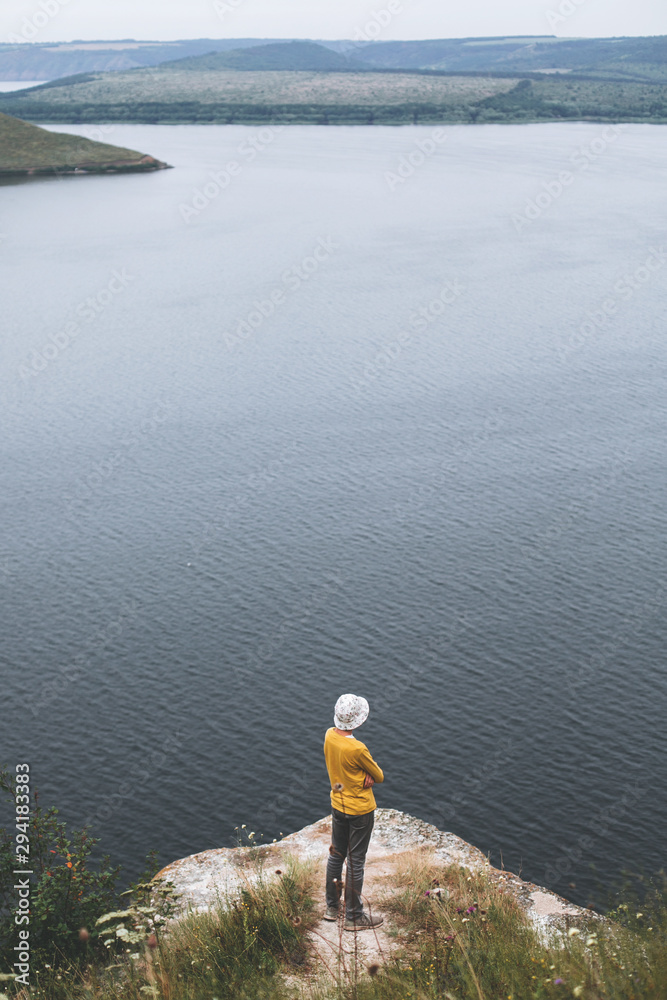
{"type": "Point", "coordinates": [352, 774]}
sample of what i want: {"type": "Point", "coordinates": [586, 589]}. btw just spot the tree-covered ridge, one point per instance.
{"type": "Point", "coordinates": [231, 97]}
{"type": "Point", "coordinates": [277, 56]}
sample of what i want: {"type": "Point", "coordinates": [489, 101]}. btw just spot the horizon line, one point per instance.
{"type": "Point", "coordinates": [293, 38]}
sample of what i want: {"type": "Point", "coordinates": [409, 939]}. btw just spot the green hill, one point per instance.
{"type": "Point", "coordinates": [167, 94]}
{"type": "Point", "coordinates": [303, 56]}
{"type": "Point", "coordinates": [27, 149]}
{"type": "Point", "coordinates": [639, 58]}
{"type": "Point", "coordinates": [451, 80]}
{"type": "Point", "coordinates": [49, 61]}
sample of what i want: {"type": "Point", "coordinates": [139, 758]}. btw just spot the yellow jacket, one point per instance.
{"type": "Point", "coordinates": [348, 763]}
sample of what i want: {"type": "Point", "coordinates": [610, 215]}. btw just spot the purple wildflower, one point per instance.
{"type": "Point", "coordinates": [557, 982]}
{"type": "Point", "coordinates": [459, 909]}
{"type": "Point", "coordinates": [427, 893]}
{"type": "Point", "coordinates": [471, 909]}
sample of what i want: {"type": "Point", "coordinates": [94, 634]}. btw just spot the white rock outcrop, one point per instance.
{"type": "Point", "coordinates": [202, 880]}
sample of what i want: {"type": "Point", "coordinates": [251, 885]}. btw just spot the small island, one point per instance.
{"type": "Point", "coordinates": [27, 150]}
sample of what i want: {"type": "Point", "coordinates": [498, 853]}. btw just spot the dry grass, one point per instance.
{"type": "Point", "coordinates": [28, 147]}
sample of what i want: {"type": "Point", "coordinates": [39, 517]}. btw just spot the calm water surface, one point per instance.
{"type": "Point", "coordinates": [305, 428]}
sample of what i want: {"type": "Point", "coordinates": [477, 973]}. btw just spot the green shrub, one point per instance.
{"type": "Point", "coordinates": [68, 892]}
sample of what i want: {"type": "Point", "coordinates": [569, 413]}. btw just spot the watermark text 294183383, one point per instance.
{"type": "Point", "coordinates": [23, 872]}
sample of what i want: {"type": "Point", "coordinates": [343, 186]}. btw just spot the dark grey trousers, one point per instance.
{"type": "Point", "coordinates": [350, 837]}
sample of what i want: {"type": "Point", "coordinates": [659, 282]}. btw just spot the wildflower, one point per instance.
{"type": "Point", "coordinates": [83, 934]}
{"type": "Point", "coordinates": [471, 909]}
{"type": "Point", "coordinates": [295, 921]}
{"type": "Point", "coordinates": [69, 864]}
{"type": "Point", "coordinates": [577, 991]}
{"type": "Point", "coordinates": [558, 982]}
{"type": "Point", "coordinates": [373, 969]}
{"type": "Point", "coordinates": [572, 931]}
{"type": "Point", "coordinates": [278, 871]}
{"type": "Point", "coordinates": [639, 916]}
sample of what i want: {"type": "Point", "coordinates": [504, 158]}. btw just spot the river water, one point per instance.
{"type": "Point", "coordinates": [348, 409]}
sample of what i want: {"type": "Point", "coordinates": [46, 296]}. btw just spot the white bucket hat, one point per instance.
{"type": "Point", "coordinates": [350, 711]}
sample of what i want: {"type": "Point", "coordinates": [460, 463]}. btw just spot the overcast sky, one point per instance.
{"type": "Point", "coordinates": [64, 20]}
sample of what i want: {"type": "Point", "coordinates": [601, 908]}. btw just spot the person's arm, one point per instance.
{"type": "Point", "coordinates": [367, 764]}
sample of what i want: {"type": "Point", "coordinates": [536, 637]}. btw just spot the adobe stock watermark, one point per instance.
{"type": "Point", "coordinates": [633, 623]}
{"type": "Point", "coordinates": [68, 673]}
{"type": "Point", "coordinates": [253, 485]}
{"type": "Point", "coordinates": [462, 451]}
{"type": "Point", "coordinates": [552, 190]}
{"type": "Point", "coordinates": [137, 776]}
{"type": "Point", "coordinates": [97, 133]}
{"type": "Point", "coordinates": [564, 10]}
{"type": "Point", "coordinates": [260, 656]}
{"type": "Point", "coordinates": [577, 508]}
{"type": "Point", "coordinates": [224, 8]}
{"type": "Point", "coordinates": [477, 780]}
{"type": "Point", "coordinates": [86, 312]}
{"type": "Point", "coordinates": [599, 825]}
{"type": "Point", "coordinates": [624, 289]}
{"type": "Point", "coordinates": [291, 281]}
{"type": "Point", "coordinates": [37, 21]}
{"type": "Point", "coordinates": [221, 180]}
{"type": "Point", "coordinates": [411, 162]}
{"type": "Point", "coordinates": [378, 21]}
{"type": "Point", "coordinates": [419, 321]}
{"type": "Point", "coordinates": [101, 472]}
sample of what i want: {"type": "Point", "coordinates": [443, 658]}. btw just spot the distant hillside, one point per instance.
{"type": "Point", "coordinates": [51, 61]}
{"type": "Point", "coordinates": [175, 95]}
{"type": "Point", "coordinates": [278, 56]}
{"type": "Point", "coordinates": [642, 59]}
{"type": "Point", "coordinates": [170, 94]}
{"type": "Point", "coordinates": [27, 149]}
{"type": "Point", "coordinates": [458, 80]}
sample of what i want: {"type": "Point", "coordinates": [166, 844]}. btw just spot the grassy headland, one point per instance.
{"type": "Point", "coordinates": [27, 149]}
{"type": "Point", "coordinates": [453, 932]}
{"type": "Point", "coordinates": [453, 936]}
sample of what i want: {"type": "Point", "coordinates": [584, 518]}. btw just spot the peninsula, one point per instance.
{"type": "Point", "coordinates": [27, 150]}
